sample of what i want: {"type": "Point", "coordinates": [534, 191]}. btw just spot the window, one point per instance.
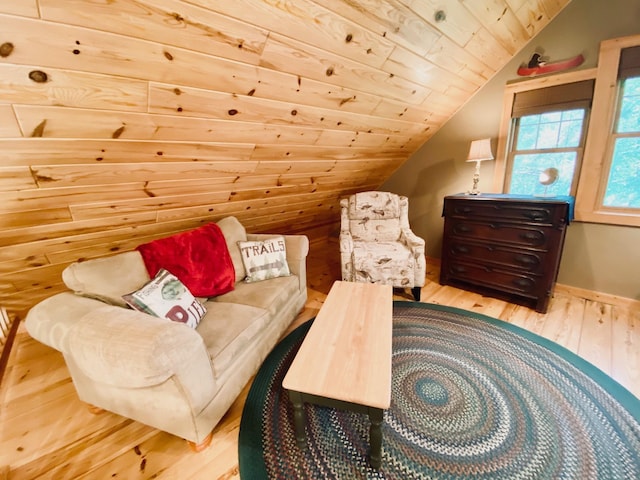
{"type": "Point", "coordinates": [623, 183]}
{"type": "Point", "coordinates": [548, 132]}
{"type": "Point", "coordinates": [605, 160]}
{"type": "Point", "coordinates": [608, 187]}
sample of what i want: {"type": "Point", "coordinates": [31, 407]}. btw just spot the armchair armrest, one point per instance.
{"type": "Point", "coordinates": [417, 246]}
{"type": "Point", "coordinates": [415, 243]}
{"type": "Point", "coordinates": [346, 248]}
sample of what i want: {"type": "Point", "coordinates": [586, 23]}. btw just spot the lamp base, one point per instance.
{"type": "Point", "coordinates": [476, 180]}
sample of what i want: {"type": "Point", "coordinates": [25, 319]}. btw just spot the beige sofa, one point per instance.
{"type": "Point", "coordinates": [161, 373]}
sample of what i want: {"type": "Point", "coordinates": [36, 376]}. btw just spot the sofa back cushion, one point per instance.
{"type": "Point", "coordinates": [107, 278]}
{"type": "Point", "coordinates": [234, 232]}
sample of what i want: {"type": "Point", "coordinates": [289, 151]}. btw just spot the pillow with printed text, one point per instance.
{"type": "Point", "coordinates": [264, 259]}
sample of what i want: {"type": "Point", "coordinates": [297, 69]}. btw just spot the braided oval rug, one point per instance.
{"type": "Point", "coordinates": [472, 398]}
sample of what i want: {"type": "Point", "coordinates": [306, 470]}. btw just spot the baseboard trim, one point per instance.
{"type": "Point", "coordinates": [598, 296]}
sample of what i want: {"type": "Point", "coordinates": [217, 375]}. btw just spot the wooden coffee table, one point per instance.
{"type": "Point", "coordinates": [345, 359]}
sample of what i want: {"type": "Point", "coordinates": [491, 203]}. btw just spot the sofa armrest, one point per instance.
{"type": "Point", "coordinates": [123, 347]}
{"type": "Point", "coordinates": [50, 320]}
{"type": "Point", "coordinates": [130, 349]}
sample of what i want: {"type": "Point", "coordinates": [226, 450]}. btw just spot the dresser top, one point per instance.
{"type": "Point", "coordinates": [510, 197]}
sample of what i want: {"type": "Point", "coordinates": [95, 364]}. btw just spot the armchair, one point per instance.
{"type": "Point", "coordinates": [377, 244]}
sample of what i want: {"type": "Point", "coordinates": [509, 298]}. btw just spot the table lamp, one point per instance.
{"type": "Point", "coordinates": [479, 151]}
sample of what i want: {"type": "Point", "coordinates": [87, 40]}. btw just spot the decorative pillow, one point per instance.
{"type": "Point", "coordinates": [265, 259]}
{"type": "Point", "coordinates": [199, 257]}
{"type": "Point", "coordinates": [167, 297]}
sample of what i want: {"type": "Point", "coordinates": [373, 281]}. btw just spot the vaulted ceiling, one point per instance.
{"type": "Point", "coordinates": [126, 120]}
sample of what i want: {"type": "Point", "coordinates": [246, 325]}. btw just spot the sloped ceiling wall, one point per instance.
{"type": "Point", "coordinates": [126, 120]}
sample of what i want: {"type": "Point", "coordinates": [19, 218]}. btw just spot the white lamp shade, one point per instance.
{"type": "Point", "coordinates": [480, 150]}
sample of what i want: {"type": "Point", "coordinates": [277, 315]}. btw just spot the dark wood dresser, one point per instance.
{"type": "Point", "coordinates": [505, 246]}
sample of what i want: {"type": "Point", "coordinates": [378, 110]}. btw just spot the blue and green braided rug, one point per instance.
{"type": "Point", "coordinates": [473, 397]}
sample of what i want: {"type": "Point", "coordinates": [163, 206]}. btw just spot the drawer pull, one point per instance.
{"type": "Point", "coordinates": [464, 210]}
{"type": "Point", "coordinates": [536, 215]}
{"type": "Point", "coordinates": [461, 249]}
{"type": "Point", "coordinates": [523, 282]}
{"type": "Point", "coordinates": [462, 228]}
{"type": "Point", "coordinates": [458, 269]}
{"type": "Point", "coordinates": [526, 260]}
{"type": "Point", "coordinates": [532, 236]}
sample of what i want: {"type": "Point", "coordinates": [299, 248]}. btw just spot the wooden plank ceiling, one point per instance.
{"type": "Point", "coordinates": [125, 120]}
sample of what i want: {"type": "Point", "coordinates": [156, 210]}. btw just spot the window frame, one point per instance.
{"type": "Point", "coordinates": [596, 158]}
{"type": "Point", "coordinates": [599, 146]}
{"type": "Point", "coordinates": [506, 135]}
{"type": "Point", "coordinates": [611, 146]}
{"type": "Point", "coordinates": [579, 151]}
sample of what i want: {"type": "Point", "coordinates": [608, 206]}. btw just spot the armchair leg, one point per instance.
{"type": "Point", "coordinates": [416, 293]}
{"type": "Point", "coordinates": [203, 445]}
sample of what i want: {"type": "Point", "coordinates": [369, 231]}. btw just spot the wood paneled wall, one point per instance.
{"type": "Point", "coordinates": [126, 120]}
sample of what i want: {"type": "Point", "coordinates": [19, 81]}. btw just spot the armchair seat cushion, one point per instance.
{"type": "Point", "coordinates": [390, 263]}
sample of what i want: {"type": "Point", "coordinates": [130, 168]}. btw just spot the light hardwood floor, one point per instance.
{"type": "Point", "coordinates": [46, 432]}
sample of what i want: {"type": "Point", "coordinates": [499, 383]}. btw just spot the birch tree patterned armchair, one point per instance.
{"type": "Point", "coordinates": [377, 244]}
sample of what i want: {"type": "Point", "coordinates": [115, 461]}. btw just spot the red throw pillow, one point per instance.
{"type": "Point", "coordinates": [199, 258]}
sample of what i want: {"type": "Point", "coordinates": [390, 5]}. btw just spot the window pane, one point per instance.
{"type": "Point", "coordinates": [570, 131]}
{"type": "Point", "coordinates": [623, 188]}
{"type": "Point", "coordinates": [527, 168]}
{"type": "Point", "coordinates": [629, 120]}
{"type": "Point", "coordinates": [550, 130]}
{"type": "Point", "coordinates": [527, 136]}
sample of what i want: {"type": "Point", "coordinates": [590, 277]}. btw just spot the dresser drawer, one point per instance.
{"type": "Point", "coordinates": [487, 276]}
{"type": "Point", "coordinates": [523, 235]}
{"type": "Point", "coordinates": [531, 261]}
{"type": "Point", "coordinates": [512, 211]}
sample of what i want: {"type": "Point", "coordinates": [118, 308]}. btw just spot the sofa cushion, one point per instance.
{"type": "Point", "coordinates": [234, 232]}
{"type": "Point", "coordinates": [107, 278]}
{"type": "Point", "coordinates": [264, 259]}
{"type": "Point", "coordinates": [167, 297]}
{"type": "Point", "coordinates": [227, 329]}
{"type": "Point", "coordinates": [199, 258]}
{"type": "Point", "coordinates": [270, 295]}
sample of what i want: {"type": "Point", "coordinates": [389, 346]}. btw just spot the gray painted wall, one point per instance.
{"type": "Point", "coordinates": [596, 257]}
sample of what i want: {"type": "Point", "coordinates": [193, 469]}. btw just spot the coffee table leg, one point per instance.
{"type": "Point", "coordinates": [298, 418]}
{"type": "Point", "coordinates": [375, 436]}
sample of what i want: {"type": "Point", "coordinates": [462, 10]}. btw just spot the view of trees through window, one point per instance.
{"type": "Point", "coordinates": [623, 186]}
{"type": "Point", "coordinates": [546, 140]}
